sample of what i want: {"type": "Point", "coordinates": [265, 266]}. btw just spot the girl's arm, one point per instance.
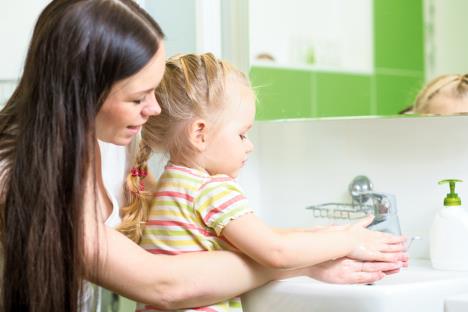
{"type": "Point", "coordinates": [300, 249]}
{"type": "Point", "coordinates": [307, 229]}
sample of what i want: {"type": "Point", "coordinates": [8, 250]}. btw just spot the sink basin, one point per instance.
{"type": "Point", "coordinates": [417, 288]}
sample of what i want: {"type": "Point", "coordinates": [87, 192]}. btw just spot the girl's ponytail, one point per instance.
{"type": "Point", "coordinates": [136, 212]}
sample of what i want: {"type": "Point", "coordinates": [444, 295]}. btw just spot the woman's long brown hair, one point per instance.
{"type": "Point", "coordinates": [79, 49]}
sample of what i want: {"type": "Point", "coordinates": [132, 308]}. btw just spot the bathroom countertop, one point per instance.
{"type": "Point", "coordinates": [457, 303]}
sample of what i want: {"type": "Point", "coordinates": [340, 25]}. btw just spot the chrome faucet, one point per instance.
{"type": "Point", "coordinates": [384, 205]}
{"type": "Point", "coordinates": [364, 201]}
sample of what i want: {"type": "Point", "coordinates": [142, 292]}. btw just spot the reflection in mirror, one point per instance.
{"type": "Point", "coordinates": [330, 35]}
{"type": "Point", "coordinates": [444, 95]}
{"type": "Point", "coordinates": [314, 58]}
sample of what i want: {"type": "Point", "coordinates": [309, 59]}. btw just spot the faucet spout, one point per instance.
{"type": "Point", "coordinates": [385, 213]}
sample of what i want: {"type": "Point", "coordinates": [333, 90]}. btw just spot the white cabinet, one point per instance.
{"type": "Point", "coordinates": [334, 34]}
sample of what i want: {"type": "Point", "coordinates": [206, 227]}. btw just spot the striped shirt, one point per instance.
{"type": "Point", "coordinates": [188, 214]}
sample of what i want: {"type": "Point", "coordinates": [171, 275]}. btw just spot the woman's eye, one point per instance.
{"type": "Point", "coordinates": [243, 137]}
{"type": "Point", "coordinates": [139, 100]}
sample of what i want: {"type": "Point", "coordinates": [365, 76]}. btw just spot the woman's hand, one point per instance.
{"type": "Point", "coordinates": [349, 271]}
{"type": "Point", "coordinates": [373, 245]}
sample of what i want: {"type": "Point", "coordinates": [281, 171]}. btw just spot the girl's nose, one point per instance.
{"type": "Point", "coordinates": [152, 107]}
{"type": "Point", "coordinates": [250, 146]}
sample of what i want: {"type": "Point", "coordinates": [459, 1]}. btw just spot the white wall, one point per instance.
{"type": "Point", "coordinates": [299, 163]}
{"type": "Point", "coordinates": [6, 90]}
{"type": "Point", "coordinates": [17, 19]}
{"type": "Point", "coordinates": [178, 21]}
{"type": "Point", "coordinates": [235, 36]}
{"type": "Point", "coordinates": [191, 26]}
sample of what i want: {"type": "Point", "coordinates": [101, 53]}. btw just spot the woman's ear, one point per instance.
{"type": "Point", "coordinates": [198, 134]}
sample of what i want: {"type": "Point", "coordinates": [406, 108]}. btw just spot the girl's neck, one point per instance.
{"type": "Point", "coordinates": [194, 164]}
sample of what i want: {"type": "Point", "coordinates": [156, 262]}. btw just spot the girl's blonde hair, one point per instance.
{"type": "Point", "coordinates": [193, 86]}
{"type": "Point", "coordinates": [455, 85]}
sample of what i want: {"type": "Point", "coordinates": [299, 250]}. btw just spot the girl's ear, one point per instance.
{"type": "Point", "coordinates": [198, 134]}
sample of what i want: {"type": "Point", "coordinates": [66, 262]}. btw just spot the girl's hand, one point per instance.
{"type": "Point", "coordinates": [375, 246]}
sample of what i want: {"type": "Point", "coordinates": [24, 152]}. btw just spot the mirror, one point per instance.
{"type": "Point", "coordinates": [336, 58]}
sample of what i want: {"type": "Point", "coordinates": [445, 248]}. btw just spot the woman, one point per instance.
{"type": "Point", "coordinates": [90, 73]}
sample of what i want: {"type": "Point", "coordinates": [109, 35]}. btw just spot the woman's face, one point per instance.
{"type": "Point", "coordinates": [131, 102]}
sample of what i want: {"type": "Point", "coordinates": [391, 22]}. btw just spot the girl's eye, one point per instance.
{"type": "Point", "coordinates": [243, 137]}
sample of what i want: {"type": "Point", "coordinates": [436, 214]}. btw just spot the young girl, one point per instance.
{"type": "Point", "coordinates": [208, 108]}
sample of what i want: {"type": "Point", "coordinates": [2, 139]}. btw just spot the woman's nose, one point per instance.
{"type": "Point", "coordinates": [152, 107]}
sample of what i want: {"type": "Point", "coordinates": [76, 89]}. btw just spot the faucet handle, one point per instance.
{"type": "Point", "coordinates": [359, 189]}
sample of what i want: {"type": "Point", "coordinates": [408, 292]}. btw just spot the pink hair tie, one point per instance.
{"type": "Point", "coordinates": [135, 172]}
{"type": "Point", "coordinates": [142, 173]}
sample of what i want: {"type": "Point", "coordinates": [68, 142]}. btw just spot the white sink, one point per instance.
{"type": "Point", "coordinates": [417, 288]}
{"type": "Point", "coordinates": [457, 303]}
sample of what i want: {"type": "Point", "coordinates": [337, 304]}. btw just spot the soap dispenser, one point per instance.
{"type": "Point", "coordinates": [449, 233]}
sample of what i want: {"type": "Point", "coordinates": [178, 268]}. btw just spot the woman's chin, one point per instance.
{"type": "Point", "coordinates": [118, 140]}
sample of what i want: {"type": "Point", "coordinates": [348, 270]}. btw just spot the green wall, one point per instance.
{"type": "Point", "coordinates": [397, 76]}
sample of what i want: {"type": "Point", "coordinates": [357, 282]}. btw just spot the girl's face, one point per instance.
{"type": "Point", "coordinates": [131, 102]}
{"type": "Point", "coordinates": [446, 103]}
{"type": "Point", "coordinates": [228, 146]}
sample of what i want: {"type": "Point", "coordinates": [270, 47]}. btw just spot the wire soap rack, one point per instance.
{"type": "Point", "coordinates": [364, 202]}
{"type": "Point", "coordinates": [351, 211]}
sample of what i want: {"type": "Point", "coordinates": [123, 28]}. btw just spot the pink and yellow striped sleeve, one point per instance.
{"type": "Point", "coordinates": [219, 201]}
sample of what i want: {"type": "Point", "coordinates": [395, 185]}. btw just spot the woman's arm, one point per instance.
{"type": "Point", "coordinates": [169, 282]}
{"type": "Point", "coordinates": [349, 271]}
{"type": "Point", "coordinates": [301, 249]}
{"type": "Point", "coordinates": [197, 279]}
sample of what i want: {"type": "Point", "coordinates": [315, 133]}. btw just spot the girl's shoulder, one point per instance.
{"type": "Point", "coordinates": [220, 183]}
{"type": "Point", "coordinates": [197, 181]}
{"type": "Point", "coordinates": [181, 179]}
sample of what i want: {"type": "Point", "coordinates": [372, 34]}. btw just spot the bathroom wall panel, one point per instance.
{"type": "Point", "coordinates": [304, 162]}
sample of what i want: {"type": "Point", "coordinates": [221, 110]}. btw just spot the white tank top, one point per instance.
{"type": "Point", "coordinates": [115, 164]}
